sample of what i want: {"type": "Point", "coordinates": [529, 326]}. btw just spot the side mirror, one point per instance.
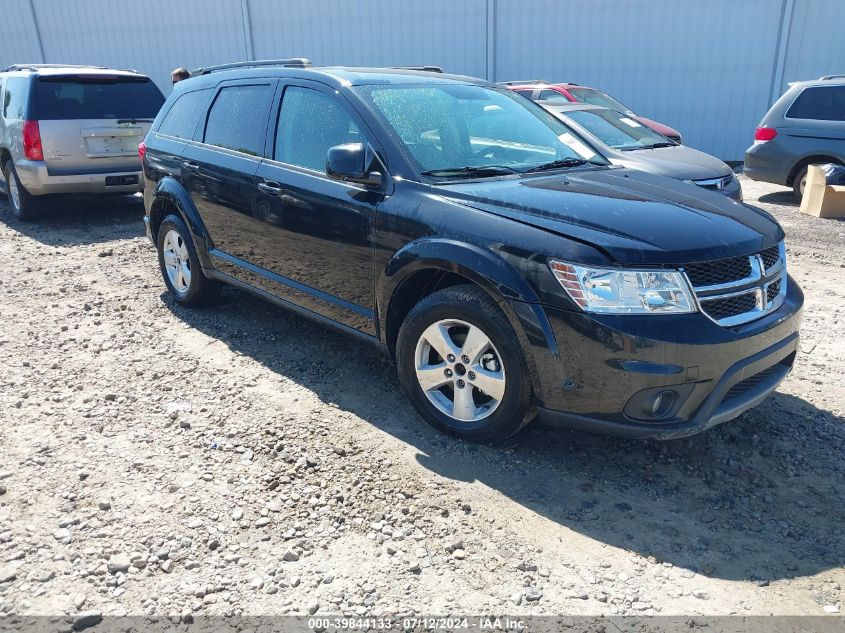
{"type": "Point", "coordinates": [354, 162]}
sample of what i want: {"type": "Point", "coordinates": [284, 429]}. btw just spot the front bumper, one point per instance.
{"type": "Point", "coordinates": [609, 369]}
{"type": "Point", "coordinates": [37, 181]}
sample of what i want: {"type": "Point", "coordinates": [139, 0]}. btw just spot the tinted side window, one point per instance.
{"type": "Point", "coordinates": [14, 97]}
{"type": "Point", "coordinates": [237, 120]}
{"type": "Point", "coordinates": [182, 118]}
{"type": "Point", "coordinates": [311, 122]}
{"type": "Point", "coordinates": [822, 103]}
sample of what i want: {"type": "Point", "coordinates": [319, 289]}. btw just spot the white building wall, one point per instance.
{"type": "Point", "coordinates": [709, 68]}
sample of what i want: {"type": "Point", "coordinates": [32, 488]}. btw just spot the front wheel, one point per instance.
{"type": "Point", "coordinates": [462, 366]}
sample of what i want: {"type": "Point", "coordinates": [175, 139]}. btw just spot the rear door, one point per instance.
{"type": "Point", "coordinates": [92, 123]}
{"type": "Point", "coordinates": [218, 170]}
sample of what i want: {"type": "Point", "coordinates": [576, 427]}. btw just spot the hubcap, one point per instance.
{"type": "Point", "coordinates": [459, 370]}
{"type": "Point", "coordinates": [802, 184]}
{"type": "Point", "coordinates": [14, 194]}
{"type": "Point", "coordinates": [177, 262]}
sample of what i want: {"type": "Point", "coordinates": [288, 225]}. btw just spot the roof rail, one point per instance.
{"type": "Point", "coordinates": [428, 69]}
{"type": "Point", "coordinates": [829, 77]}
{"type": "Point", "coordinates": [14, 67]}
{"type": "Point", "coordinates": [291, 62]}
{"type": "Point", "coordinates": [520, 82]}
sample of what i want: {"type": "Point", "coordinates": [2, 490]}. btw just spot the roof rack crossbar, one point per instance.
{"type": "Point", "coordinates": [428, 69]}
{"type": "Point", "coordinates": [14, 67]}
{"type": "Point", "coordinates": [520, 82]}
{"type": "Point", "coordinates": [291, 62]}
{"type": "Point", "coordinates": [829, 77]}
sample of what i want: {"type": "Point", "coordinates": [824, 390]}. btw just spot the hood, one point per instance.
{"type": "Point", "coordinates": [679, 162]}
{"type": "Point", "coordinates": [634, 217]}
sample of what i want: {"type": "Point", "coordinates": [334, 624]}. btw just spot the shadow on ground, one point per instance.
{"type": "Point", "coordinates": [760, 498]}
{"type": "Point", "coordinates": [783, 198]}
{"type": "Point", "coordinates": [75, 220]}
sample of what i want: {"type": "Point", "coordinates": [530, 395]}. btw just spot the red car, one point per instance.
{"type": "Point", "coordinates": [539, 90]}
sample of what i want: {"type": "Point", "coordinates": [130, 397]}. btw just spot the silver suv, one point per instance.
{"type": "Point", "coordinates": [806, 126]}
{"type": "Point", "coordinates": [72, 129]}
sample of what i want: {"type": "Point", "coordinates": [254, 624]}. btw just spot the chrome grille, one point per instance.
{"type": "Point", "coordinates": [715, 184]}
{"type": "Point", "coordinates": [737, 290]}
{"type": "Point", "coordinates": [723, 271]}
{"type": "Point", "coordinates": [770, 257]}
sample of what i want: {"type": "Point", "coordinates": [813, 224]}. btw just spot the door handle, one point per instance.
{"type": "Point", "coordinates": [190, 165]}
{"type": "Point", "coordinates": [273, 188]}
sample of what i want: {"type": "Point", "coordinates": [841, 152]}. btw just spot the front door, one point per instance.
{"type": "Point", "coordinates": [316, 232]}
{"type": "Point", "coordinates": [219, 171]}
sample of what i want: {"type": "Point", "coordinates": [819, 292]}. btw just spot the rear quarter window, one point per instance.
{"type": "Point", "coordinates": [822, 103]}
{"type": "Point", "coordinates": [183, 116]}
{"type": "Point", "coordinates": [14, 97]}
{"type": "Point", "coordinates": [97, 97]}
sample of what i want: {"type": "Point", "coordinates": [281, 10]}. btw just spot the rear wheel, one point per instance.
{"type": "Point", "coordinates": [180, 266]}
{"type": "Point", "coordinates": [799, 183]}
{"type": "Point", "coordinates": [461, 364]}
{"type": "Point", "coordinates": [24, 206]}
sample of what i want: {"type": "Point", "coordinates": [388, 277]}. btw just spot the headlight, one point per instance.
{"type": "Point", "coordinates": [625, 291]}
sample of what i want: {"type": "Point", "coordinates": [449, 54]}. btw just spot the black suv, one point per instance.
{"type": "Point", "coordinates": [504, 264]}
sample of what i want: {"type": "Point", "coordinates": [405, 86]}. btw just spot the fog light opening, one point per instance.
{"type": "Point", "coordinates": [661, 404]}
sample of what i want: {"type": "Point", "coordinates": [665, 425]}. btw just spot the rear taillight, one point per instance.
{"type": "Point", "coordinates": [32, 141]}
{"type": "Point", "coordinates": [142, 149]}
{"type": "Point", "coordinates": [764, 134]}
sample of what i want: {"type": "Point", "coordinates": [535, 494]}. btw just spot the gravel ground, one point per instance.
{"type": "Point", "coordinates": [241, 460]}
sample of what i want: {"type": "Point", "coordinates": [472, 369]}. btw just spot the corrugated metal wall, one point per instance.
{"type": "Point", "coordinates": [710, 68]}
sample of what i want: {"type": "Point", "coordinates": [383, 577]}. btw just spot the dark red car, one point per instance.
{"type": "Point", "coordinates": [539, 90]}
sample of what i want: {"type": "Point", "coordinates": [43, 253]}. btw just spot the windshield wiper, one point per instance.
{"type": "Point", "coordinates": [557, 164]}
{"type": "Point", "coordinates": [656, 145]}
{"type": "Point", "coordinates": [460, 172]}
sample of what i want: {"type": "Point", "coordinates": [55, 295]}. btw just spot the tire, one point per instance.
{"type": "Point", "coordinates": [798, 184]}
{"type": "Point", "coordinates": [23, 205]}
{"type": "Point", "coordinates": [800, 179]}
{"type": "Point", "coordinates": [446, 320]}
{"type": "Point", "coordinates": [180, 266]}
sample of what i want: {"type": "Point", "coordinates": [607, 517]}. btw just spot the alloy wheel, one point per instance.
{"type": "Point", "coordinates": [14, 192]}
{"type": "Point", "coordinates": [459, 370]}
{"type": "Point", "coordinates": [177, 262]}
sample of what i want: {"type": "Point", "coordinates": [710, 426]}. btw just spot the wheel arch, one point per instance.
{"type": "Point", "coordinates": [810, 160]}
{"type": "Point", "coordinates": [171, 197]}
{"type": "Point", "coordinates": [425, 266]}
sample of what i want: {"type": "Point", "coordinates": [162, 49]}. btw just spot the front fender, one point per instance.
{"type": "Point", "coordinates": [169, 190]}
{"type": "Point", "coordinates": [500, 279]}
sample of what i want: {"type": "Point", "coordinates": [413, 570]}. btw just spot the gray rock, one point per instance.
{"type": "Point", "coordinates": [8, 573]}
{"type": "Point", "coordinates": [62, 534]}
{"type": "Point", "coordinates": [86, 620]}
{"type": "Point", "coordinates": [119, 563]}
{"type": "Point", "coordinates": [532, 594]}
{"type": "Point", "coordinates": [167, 566]}
{"type": "Point", "coordinates": [313, 607]}
{"type": "Point", "coordinates": [104, 505]}
{"type": "Point", "coordinates": [290, 556]}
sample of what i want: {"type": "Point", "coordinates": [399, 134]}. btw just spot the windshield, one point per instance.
{"type": "Point", "coordinates": [597, 97]}
{"type": "Point", "coordinates": [465, 128]}
{"type": "Point", "coordinates": [617, 130]}
{"type": "Point", "coordinates": [97, 97]}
